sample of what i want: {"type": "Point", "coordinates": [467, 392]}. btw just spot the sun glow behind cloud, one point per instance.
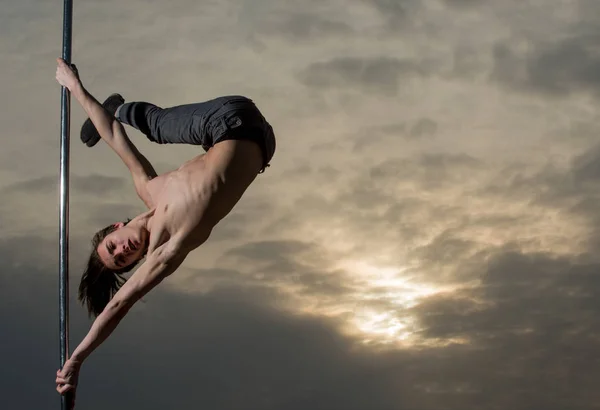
{"type": "Point", "coordinates": [377, 310]}
{"type": "Point", "coordinates": [383, 298]}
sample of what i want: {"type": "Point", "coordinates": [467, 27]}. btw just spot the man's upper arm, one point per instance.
{"type": "Point", "coordinates": [141, 169]}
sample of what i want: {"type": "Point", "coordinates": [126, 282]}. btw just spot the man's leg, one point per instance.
{"type": "Point", "coordinates": [176, 125]}
{"type": "Point", "coordinates": [205, 123]}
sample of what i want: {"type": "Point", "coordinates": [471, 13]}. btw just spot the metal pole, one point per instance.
{"type": "Point", "coordinates": [63, 260]}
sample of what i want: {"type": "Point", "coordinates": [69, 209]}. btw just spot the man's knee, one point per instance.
{"type": "Point", "coordinates": [140, 116]}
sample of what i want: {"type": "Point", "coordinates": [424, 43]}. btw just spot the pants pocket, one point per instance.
{"type": "Point", "coordinates": [247, 116]}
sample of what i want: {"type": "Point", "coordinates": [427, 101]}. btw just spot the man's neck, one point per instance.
{"type": "Point", "coordinates": [148, 219]}
{"type": "Point", "coordinates": [145, 220]}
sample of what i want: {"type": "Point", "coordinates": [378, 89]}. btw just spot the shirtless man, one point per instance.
{"type": "Point", "coordinates": [184, 204]}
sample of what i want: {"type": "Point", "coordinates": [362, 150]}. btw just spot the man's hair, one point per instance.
{"type": "Point", "coordinates": [98, 283]}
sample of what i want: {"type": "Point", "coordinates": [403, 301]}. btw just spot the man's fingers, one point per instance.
{"type": "Point", "coordinates": [64, 388]}
{"type": "Point", "coordinates": [62, 62]}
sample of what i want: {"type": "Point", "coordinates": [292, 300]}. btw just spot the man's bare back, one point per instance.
{"type": "Point", "coordinates": [184, 205]}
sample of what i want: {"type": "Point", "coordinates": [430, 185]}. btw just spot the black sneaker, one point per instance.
{"type": "Point", "coordinates": [89, 134]}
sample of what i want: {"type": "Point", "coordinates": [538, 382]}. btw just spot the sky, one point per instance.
{"type": "Point", "coordinates": [426, 237]}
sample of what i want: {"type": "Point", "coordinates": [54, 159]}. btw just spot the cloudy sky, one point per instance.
{"type": "Point", "coordinates": [426, 238]}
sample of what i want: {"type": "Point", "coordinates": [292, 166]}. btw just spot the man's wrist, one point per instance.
{"type": "Point", "coordinates": [77, 90]}
{"type": "Point", "coordinates": [77, 358]}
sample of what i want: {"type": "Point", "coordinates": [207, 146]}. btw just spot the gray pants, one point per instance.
{"type": "Point", "coordinates": [205, 123]}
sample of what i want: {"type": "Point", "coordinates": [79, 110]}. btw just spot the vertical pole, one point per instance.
{"type": "Point", "coordinates": [63, 260]}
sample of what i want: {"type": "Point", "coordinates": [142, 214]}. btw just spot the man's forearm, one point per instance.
{"type": "Point", "coordinates": [102, 120]}
{"type": "Point", "coordinates": [101, 329]}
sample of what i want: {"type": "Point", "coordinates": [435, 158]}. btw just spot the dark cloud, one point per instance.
{"type": "Point", "coordinates": [531, 311]}
{"type": "Point", "coordinates": [423, 128]}
{"type": "Point", "coordinates": [375, 75]}
{"type": "Point", "coordinates": [558, 68]}
{"type": "Point", "coordinates": [508, 68]}
{"type": "Point", "coordinates": [571, 190]}
{"type": "Point", "coordinates": [520, 295]}
{"type": "Point", "coordinates": [588, 14]}
{"type": "Point", "coordinates": [392, 129]}
{"type": "Point", "coordinates": [321, 283]}
{"type": "Point", "coordinates": [579, 189]}
{"type": "Point", "coordinates": [299, 26]}
{"type": "Point", "coordinates": [396, 13]}
{"type": "Point", "coordinates": [303, 168]}
{"type": "Point", "coordinates": [97, 184]}
{"type": "Point", "coordinates": [368, 139]}
{"type": "Point", "coordinates": [468, 62]}
{"type": "Point", "coordinates": [464, 3]}
{"type": "Point", "coordinates": [286, 262]}
{"type": "Point", "coordinates": [105, 214]}
{"type": "Point", "coordinates": [429, 171]}
{"type": "Point", "coordinates": [91, 184]}
{"type": "Point", "coordinates": [27, 248]}
{"type": "Point", "coordinates": [42, 185]}
{"type": "Point", "coordinates": [586, 166]}
{"type": "Point", "coordinates": [362, 197]}
{"type": "Point", "coordinates": [295, 23]}
{"type": "Point", "coordinates": [571, 65]}
{"type": "Point", "coordinates": [417, 129]}
{"type": "Point", "coordinates": [446, 249]}
{"type": "Point", "coordinates": [269, 250]}
{"type": "Point", "coordinates": [245, 213]}
{"type": "Point", "coordinates": [577, 133]}
{"type": "Point", "coordinates": [329, 172]}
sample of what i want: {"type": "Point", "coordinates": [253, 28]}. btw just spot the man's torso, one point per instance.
{"type": "Point", "coordinates": [192, 199]}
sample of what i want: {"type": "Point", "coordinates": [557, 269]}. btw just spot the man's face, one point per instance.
{"type": "Point", "coordinates": [122, 247]}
